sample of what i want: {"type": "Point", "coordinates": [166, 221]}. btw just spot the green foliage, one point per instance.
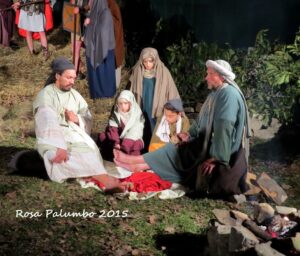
{"type": "Point", "coordinates": [268, 73]}
{"type": "Point", "coordinates": [186, 62]}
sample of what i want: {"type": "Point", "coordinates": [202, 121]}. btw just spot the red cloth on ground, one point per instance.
{"type": "Point", "coordinates": [147, 182]}
{"type": "Point", "coordinates": [49, 21]}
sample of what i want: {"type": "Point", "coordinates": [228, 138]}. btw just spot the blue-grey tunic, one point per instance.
{"type": "Point", "coordinates": [227, 109]}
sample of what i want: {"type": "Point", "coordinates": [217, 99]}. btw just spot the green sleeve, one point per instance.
{"type": "Point", "coordinates": [226, 112]}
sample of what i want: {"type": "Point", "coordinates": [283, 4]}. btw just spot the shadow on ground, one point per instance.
{"type": "Point", "coordinates": [22, 162]}
{"type": "Point", "coordinates": [283, 148]}
{"type": "Point", "coordinates": [182, 244]}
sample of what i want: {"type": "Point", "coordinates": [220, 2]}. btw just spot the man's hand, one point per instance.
{"type": "Point", "coordinates": [183, 138]}
{"type": "Point", "coordinates": [76, 10]}
{"type": "Point", "coordinates": [86, 22]}
{"type": "Point", "coordinates": [71, 116]}
{"type": "Point", "coordinates": [61, 156]}
{"type": "Point", "coordinates": [207, 166]}
{"type": "Point", "coordinates": [16, 6]}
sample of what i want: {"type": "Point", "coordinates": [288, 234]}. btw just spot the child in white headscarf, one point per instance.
{"type": "Point", "coordinates": [172, 123]}
{"type": "Point", "coordinates": [125, 127]}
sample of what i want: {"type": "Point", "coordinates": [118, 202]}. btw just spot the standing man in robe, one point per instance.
{"type": "Point", "coordinates": [6, 22]}
{"type": "Point", "coordinates": [62, 125]}
{"type": "Point", "coordinates": [119, 38]}
{"type": "Point", "coordinates": [99, 41]}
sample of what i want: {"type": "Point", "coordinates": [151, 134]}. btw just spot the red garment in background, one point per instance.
{"type": "Point", "coordinates": [48, 17]}
{"type": "Point", "coordinates": [147, 182]}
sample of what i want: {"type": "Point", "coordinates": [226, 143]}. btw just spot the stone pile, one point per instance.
{"type": "Point", "coordinates": [259, 231]}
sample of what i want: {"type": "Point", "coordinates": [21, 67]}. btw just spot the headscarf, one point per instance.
{"type": "Point", "coordinates": [135, 122]}
{"type": "Point", "coordinates": [99, 34]}
{"type": "Point", "coordinates": [165, 87]}
{"type": "Point", "coordinates": [58, 65]}
{"type": "Point", "coordinates": [176, 104]}
{"type": "Point", "coordinates": [225, 70]}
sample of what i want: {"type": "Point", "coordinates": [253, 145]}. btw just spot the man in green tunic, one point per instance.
{"type": "Point", "coordinates": [216, 146]}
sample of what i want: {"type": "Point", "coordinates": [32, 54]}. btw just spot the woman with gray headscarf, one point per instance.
{"type": "Point", "coordinates": [152, 85]}
{"type": "Point", "coordinates": [100, 44]}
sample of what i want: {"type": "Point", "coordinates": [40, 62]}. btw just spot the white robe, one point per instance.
{"type": "Point", "coordinates": [53, 131]}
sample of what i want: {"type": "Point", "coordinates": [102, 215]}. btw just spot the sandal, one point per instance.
{"type": "Point", "coordinates": [46, 53]}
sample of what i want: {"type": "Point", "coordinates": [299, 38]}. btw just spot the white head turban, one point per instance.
{"type": "Point", "coordinates": [222, 67]}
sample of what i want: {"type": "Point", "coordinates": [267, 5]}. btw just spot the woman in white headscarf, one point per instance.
{"type": "Point", "coordinates": [125, 127]}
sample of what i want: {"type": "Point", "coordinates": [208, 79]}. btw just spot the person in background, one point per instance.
{"type": "Point", "coordinates": [82, 11]}
{"type": "Point", "coordinates": [169, 127]}
{"type": "Point", "coordinates": [35, 18]}
{"type": "Point", "coordinates": [119, 38]}
{"type": "Point", "coordinates": [6, 22]}
{"type": "Point", "coordinates": [100, 44]}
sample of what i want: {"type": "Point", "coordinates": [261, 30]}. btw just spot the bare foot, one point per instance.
{"type": "Point", "coordinates": [128, 159]}
{"type": "Point", "coordinates": [132, 167]}
{"type": "Point", "coordinates": [111, 184]}
{"type": "Point", "coordinates": [127, 166]}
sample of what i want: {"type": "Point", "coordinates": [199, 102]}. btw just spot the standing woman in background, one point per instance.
{"type": "Point", "coordinates": [100, 57]}
{"type": "Point", "coordinates": [152, 85]}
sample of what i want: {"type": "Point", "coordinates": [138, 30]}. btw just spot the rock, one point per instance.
{"type": "Point", "coordinates": [261, 131]}
{"type": "Point", "coordinates": [254, 189]}
{"type": "Point", "coordinates": [240, 198]}
{"type": "Point", "coordinates": [265, 249]}
{"type": "Point", "coordinates": [240, 216]}
{"type": "Point", "coordinates": [198, 107]}
{"type": "Point", "coordinates": [241, 239]}
{"type": "Point", "coordinates": [263, 211]}
{"type": "Point", "coordinates": [223, 216]}
{"type": "Point", "coordinates": [189, 110]}
{"type": "Point", "coordinates": [296, 242]}
{"type": "Point", "coordinates": [285, 210]}
{"type": "Point", "coordinates": [271, 189]}
{"type": "Point", "coordinates": [286, 186]}
{"type": "Point", "coordinates": [218, 239]}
